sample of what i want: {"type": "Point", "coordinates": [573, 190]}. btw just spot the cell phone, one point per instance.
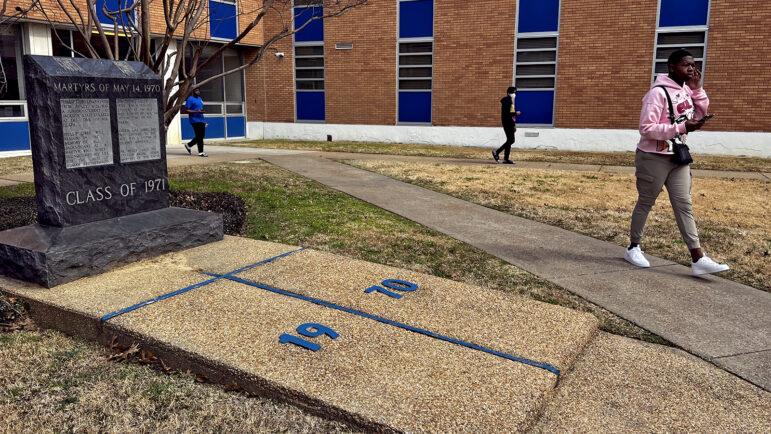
{"type": "Point", "coordinates": [707, 117]}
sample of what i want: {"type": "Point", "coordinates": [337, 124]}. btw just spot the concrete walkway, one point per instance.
{"type": "Point", "coordinates": [719, 320]}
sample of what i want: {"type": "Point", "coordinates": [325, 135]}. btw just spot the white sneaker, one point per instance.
{"type": "Point", "coordinates": [635, 256]}
{"type": "Point", "coordinates": [203, 154]}
{"type": "Point", "coordinates": [705, 265]}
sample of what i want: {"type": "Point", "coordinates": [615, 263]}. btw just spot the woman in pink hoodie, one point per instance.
{"type": "Point", "coordinates": [653, 161]}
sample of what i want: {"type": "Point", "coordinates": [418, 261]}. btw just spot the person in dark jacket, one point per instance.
{"type": "Point", "coordinates": [508, 120]}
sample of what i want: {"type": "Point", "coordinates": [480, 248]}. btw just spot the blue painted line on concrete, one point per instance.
{"type": "Point", "coordinates": [393, 323]}
{"type": "Point", "coordinates": [192, 287]}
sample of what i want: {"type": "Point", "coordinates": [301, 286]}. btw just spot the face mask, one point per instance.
{"type": "Point", "coordinates": [513, 95]}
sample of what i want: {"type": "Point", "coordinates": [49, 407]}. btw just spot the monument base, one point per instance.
{"type": "Point", "coordinates": [51, 256]}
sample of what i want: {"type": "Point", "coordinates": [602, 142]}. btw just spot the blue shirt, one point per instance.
{"type": "Point", "coordinates": [194, 103]}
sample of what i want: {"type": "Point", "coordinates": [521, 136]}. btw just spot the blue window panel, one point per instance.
{"type": "Point", "coordinates": [114, 5]}
{"type": "Point", "coordinates": [539, 15]}
{"type": "Point", "coordinates": [236, 126]}
{"type": "Point", "coordinates": [14, 136]}
{"type": "Point", "coordinates": [215, 129]}
{"type": "Point", "coordinates": [222, 23]}
{"type": "Point", "coordinates": [415, 107]}
{"type": "Point", "coordinates": [416, 19]}
{"type": "Point", "coordinates": [314, 32]}
{"type": "Point", "coordinates": [537, 106]}
{"type": "Point", "coordinates": [310, 106]}
{"type": "Point", "coordinates": [683, 13]}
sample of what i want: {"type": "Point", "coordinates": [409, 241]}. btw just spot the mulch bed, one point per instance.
{"type": "Point", "coordinates": [22, 211]}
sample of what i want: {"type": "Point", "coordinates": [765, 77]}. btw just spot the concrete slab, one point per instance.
{"type": "Point", "coordinates": [684, 308]}
{"type": "Point", "coordinates": [378, 375]}
{"type": "Point", "coordinates": [727, 174]}
{"type": "Point", "coordinates": [21, 177]}
{"type": "Point", "coordinates": [99, 295]}
{"type": "Point", "coordinates": [622, 385]}
{"type": "Point", "coordinates": [524, 328]}
{"type": "Point", "coordinates": [8, 182]}
{"type": "Point", "coordinates": [432, 360]}
{"type": "Point", "coordinates": [232, 253]}
{"type": "Point", "coordinates": [757, 365]}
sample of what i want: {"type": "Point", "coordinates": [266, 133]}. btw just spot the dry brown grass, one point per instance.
{"type": "Point", "coordinates": [53, 383]}
{"type": "Point", "coordinates": [732, 214]}
{"type": "Point", "coordinates": [15, 165]}
{"type": "Point", "coordinates": [707, 162]}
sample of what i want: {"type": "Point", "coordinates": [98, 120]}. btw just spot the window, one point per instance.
{"type": "Point", "coordinates": [11, 78]}
{"type": "Point", "coordinates": [416, 61]}
{"type": "Point", "coordinates": [123, 20]}
{"type": "Point", "coordinates": [310, 104]}
{"type": "Point", "coordinates": [667, 42]}
{"type": "Point", "coordinates": [535, 59]}
{"type": "Point", "coordinates": [681, 24]}
{"type": "Point", "coordinates": [223, 98]}
{"type": "Point", "coordinates": [223, 19]}
{"type": "Point", "coordinates": [65, 41]}
{"type": "Point", "coordinates": [14, 129]}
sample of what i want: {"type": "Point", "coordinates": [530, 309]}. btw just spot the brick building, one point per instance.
{"type": "Point", "coordinates": [433, 71]}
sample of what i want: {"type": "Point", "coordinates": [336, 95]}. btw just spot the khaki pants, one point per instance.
{"type": "Point", "coordinates": [654, 171]}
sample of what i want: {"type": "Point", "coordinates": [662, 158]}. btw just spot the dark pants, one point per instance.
{"type": "Point", "coordinates": [506, 147]}
{"type": "Point", "coordinates": [200, 133]}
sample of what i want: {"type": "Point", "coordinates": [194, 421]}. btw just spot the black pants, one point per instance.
{"type": "Point", "coordinates": [200, 133]}
{"type": "Point", "coordinates": [506, 147]}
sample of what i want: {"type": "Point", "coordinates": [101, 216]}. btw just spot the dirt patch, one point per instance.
{"type": "Point", "coordinates": [22, 211]}
{"type": "Point", "coordinates": [17, 211]}
{"type": "Point", "coordinates": [13, 314]}
{"type": "Point", "coordinates": [231, 207]}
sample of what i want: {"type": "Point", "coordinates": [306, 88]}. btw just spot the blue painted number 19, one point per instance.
{"type": "Point", "coordinates": [305, 330]}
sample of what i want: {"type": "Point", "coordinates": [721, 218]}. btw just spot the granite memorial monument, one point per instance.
{"type": "Point", "coordinates": [101, 186]}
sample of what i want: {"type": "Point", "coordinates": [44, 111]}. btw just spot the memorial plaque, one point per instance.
{"type": "Point", "coordinates": [98, 143]}
{"type": "Point", "coordinates": [99, 156]}
{"type": "Point", "coordinates": [138, 131]}
{"type": "Point", "coordinates": [86, 132]}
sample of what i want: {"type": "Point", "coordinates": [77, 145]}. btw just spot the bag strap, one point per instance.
{"type": "Point", "coordinates": [669, 102]}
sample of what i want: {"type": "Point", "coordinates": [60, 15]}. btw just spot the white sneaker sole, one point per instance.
{"type": "Point", "coordinates": [628, 259]}
{"type": "Point", "coordinates": [703, 272]}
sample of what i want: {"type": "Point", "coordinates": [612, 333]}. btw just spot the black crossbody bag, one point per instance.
{"type": "Point", "coordinates": [682, 155]}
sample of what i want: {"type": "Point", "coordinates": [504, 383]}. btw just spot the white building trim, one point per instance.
{"type": "Point", "coordinates": [564, 139]}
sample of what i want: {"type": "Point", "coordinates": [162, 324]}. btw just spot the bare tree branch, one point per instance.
{"type": "Point", "coordinates": [182, 50]}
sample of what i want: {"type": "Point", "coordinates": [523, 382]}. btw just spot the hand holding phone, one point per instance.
{"type": "Point", "coordinates": [707, 117]}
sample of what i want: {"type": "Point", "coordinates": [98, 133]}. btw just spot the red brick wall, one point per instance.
{"type": "Point", "coordinates": [605, 62]}
{"type": "Point", "coordinates": [738, 70]}
{"type": "Point", "coordinates": [269, 83]}
{"type": "Point", "coordinates": [473, 60]}
{"type": "Point", "coordinates": [361, 83]}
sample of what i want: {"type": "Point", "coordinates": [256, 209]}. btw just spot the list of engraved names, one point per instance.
{"type": "Point", "coordinates": [138, 129]}
{"type": "Point", "coordinates": [86, 131]}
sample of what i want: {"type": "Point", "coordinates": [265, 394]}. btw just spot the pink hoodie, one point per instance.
{"type": "Point", "coordinates": [655, 127]}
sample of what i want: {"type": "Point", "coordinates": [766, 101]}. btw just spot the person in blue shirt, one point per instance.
{"type": "Point", "coordinates": [194, 109]}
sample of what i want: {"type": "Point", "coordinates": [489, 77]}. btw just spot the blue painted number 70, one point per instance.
{"type": "Point", "coordinates": [395, 284]}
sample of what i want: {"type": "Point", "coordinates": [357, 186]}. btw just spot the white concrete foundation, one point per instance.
{"type": "Point", "coordinates": [565, 139]}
